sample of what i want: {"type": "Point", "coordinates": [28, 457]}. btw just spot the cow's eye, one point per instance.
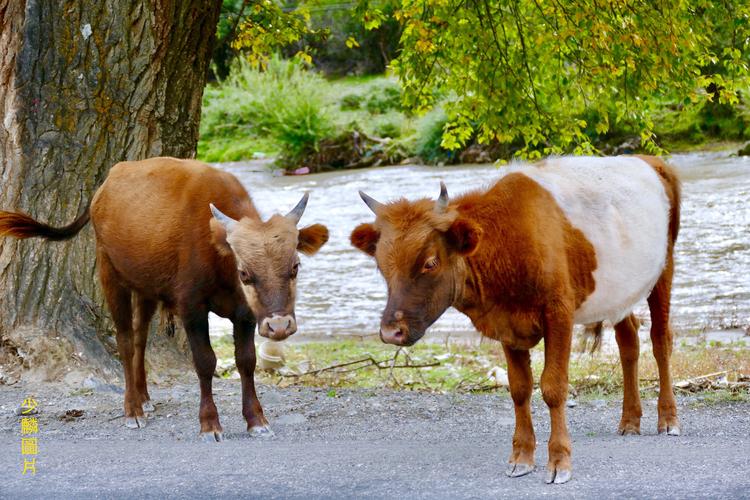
{"type": "Point", "coordinates": [430, 265]}
{"type": "Point", "coordinates": [295, 270]}
{"type": "Point", "coordinates": [246, 278]}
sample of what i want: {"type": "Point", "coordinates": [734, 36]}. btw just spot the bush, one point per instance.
{"type": "Point", "coordinates": [384, 99]}
{"type": "Point", "coordinates": [284, 103]}
{"type": "Point", "coordinates": [350, 102]}
{"type": "Point", "coordinates": [389, 125]}
{"type": "Point", "coordinates": [429, 137]}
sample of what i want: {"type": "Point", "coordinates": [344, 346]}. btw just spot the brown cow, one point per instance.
{"type": "Point", "coordinates": [570, 240]}
{"type": "Point", "coordinates": [157, 242]}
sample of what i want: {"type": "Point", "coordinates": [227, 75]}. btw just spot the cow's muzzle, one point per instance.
{"type": "Point", "coordinates": [397, 334]}
{"type": "Point", "coordinates": [278, 327]}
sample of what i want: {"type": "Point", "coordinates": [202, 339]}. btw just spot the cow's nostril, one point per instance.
{"type": "Point", "coordinates": [393, 335]}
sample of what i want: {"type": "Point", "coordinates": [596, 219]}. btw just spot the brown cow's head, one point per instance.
{"type": "Point", "coordinates": [419, 247]}
{"type": "Point", "coordinates": [267, 263]}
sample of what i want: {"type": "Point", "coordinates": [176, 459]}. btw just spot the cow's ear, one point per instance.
{"type": "Point", "coordinates": [219, 237]}
{"type": "Point", "coordinates": [463, 236]}
{"type": "Point", "coordinates": [365, 237]}
{"type": "Point", "coordinates": [311, 238]}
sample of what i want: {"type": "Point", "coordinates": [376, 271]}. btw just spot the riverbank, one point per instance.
{"type": "Point", "coordinates": [714, 371]}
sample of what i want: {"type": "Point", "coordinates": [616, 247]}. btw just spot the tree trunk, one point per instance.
{"type": "Point", "coordinates": [84, 84]}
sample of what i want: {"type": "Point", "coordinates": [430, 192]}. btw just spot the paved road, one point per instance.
{"type": "Point", "coordinates": [364, 444]}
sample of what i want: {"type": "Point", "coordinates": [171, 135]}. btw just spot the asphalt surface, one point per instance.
{"type": "Point", "coordinates": [360, 444]}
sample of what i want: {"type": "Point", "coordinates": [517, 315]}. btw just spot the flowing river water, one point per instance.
{"type": "Point", "coordinates": [340, 292]}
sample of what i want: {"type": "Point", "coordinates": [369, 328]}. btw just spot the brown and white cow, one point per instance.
{"type": "Point", "coordinates": [566, 241]}
{"type": "Point", "coordinates": [157, 241]}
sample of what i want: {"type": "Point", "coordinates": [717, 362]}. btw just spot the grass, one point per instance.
{"type": "Point", "coordinates": [287, 111]}
{"type": "Point", "coordinates": [461, 367]}
{"type": "Point", "coordinates": [279, 110]}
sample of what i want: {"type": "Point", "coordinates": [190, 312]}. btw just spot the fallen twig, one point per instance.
{"type": "Point", "coordinates": [332, 367]}
{"type": "Point", "coordinates": [379, 366]}
{"type": "Point", "coordinates": [682, 384]}
{"type": "Point", "coordinates": [389, 364]}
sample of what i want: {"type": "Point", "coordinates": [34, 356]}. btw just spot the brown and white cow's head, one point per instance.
{"type": "Point", "coordinates": [419, 247]}
{"type": "Point", "coordinates": [267, 260]}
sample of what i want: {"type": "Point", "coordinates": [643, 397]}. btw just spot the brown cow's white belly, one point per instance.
{"type": "Point", "coordinates": [622, 208]}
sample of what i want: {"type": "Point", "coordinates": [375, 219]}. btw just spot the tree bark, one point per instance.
{"type": "Point", "coordinates": [84, 84]}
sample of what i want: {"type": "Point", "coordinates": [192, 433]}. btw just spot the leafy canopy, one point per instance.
{"type": "Point", "coordinates": [269, 27]}
{"type": "Point", "coordinates": [526, 72]}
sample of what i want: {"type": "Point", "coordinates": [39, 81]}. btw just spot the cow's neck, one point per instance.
{"type": "Point", "coordinates": [468, 290]}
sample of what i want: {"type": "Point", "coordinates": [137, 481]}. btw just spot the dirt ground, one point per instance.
{"type": "Point", "coordinates": [359, 443]}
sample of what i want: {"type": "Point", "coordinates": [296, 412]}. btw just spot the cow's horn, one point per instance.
{"type": "Point", "coordinates": [224, 219]}
{"type": "Point", "coordinates": [371, 202]}
{"type": "Point", "coordinates": [296, 213]}
{"type": "Point", "coordinates": [442, 201]}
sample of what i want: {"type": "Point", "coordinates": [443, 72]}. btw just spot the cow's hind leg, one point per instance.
{"type": "Point", "coordinates": [195, 321]}
{"type": "Point", "coordinates": [119, 301]}
{"type": "Point", "coordinates": [661, 339]}
{"type": "Point", "coordinates": [244, 355]}
{"type": "Point", "coordinates": [626, 333]}
{"type": "Point", "coordinates": [144, 311]}
{"type": "Point", "coordinates": [521, 384]}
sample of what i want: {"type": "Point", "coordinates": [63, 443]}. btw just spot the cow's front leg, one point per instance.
{"type": "Point", "coordinates": [521, 385]}
{"type": "Point", "coordinates": [195, 321]}
{"type": "Point", "coordinates": [557, 339]}
{"type": "Point", "coordinates": [244, 355]}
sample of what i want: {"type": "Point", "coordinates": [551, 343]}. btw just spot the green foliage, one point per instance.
{"type": "Point", "coordinates": [430, 138]}
{"type": "Point", "coordinates": [350, 102]}
{"type": "Point", "coordinates": [527, 70]}
{"type": "Point", "coordinates": [327, 32]}
{"type": "Point", "coordinates": [384, 98]}
{"type": "Point", "coordinates": [269, 27]}
{"type": "Point", "coordinates": [535, 77]}
{"type": "Point", "coordinates": [284, 104]}
{"type": "Point", "coordinates": [677, 125]}
{"type": "Point", "coordinates": [232, 12]}
{"type": "Point", "coordinates": [232, 128]}
{"type": "Point", "coordinates": [389, 125]}
{"type": "Point", "coordinates": [349, 46]}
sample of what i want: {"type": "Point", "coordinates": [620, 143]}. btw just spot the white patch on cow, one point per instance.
{"type": "Point", "coordinates": [622, 208]}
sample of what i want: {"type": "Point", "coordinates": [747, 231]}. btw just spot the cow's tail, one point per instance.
{"type": "Point", "coordinates": [20, 225]}
{"type": "Point", "coordinates": [591, 340]}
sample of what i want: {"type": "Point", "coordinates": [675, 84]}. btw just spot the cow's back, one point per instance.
{"type": "Point", "coordinates": [151, 219]}
{"type": "Point", "coordinates": [621, 206]}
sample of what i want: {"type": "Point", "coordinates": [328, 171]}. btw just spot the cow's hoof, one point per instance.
{"type": "Point", "coordinates": [135, 422]}
{"type": "Point", "coordinates": [670, 430]}
{"type": "Point", "coordinates": [262, 431]}
{"type": "Point", "coordinates": [629, 430]}
{"type": "Point", "coordinates": [148, 406]}
{"type": "Point", "coordinates": [211, 437]}
{"type": "Point", "coordinates": [558, 476]}
{"type": "Point", "coordinates": [518, 470]}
